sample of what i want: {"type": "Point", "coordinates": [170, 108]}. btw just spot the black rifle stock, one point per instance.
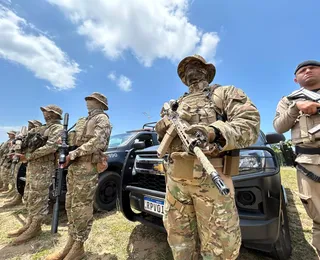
{"type": "Point", "coordinates": [309, 95]}
{"type": "Point", "coordinates": [190, 144]}
{"type": "Point", "coordinates": [63, 152]}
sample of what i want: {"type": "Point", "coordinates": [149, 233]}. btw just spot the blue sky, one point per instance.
{"type": "Point", "coordinates": [53, 52]}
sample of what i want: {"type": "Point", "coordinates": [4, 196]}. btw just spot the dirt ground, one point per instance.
{"type": "Point", "coordinates": [113, 237]}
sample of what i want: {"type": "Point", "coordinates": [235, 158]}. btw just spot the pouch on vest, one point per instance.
{"type": "Point", "coordinates": [231, 163]}
{"type": "Point", "coordinates": [188, 167]}
{"type": "Point", "coordinates": [300, 133]}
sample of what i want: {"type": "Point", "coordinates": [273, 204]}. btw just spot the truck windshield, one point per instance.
{"type": "Point", "coordinates": [120, 139]}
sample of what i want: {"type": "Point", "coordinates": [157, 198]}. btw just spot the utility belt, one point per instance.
{"type": "Point", "coordinates": [306, 172]}
{"type": "Point", "coordinates": [93, 158]}
{"type": "Point", "coordinates": [188, 167]}
{"type": "Point", "coordinates": [307, 150]}
{"type": "Point", "coordinates": [46, 158]}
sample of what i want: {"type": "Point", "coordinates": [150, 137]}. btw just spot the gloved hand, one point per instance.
{"type": "Point", "coordinates": [162, 126]}
{"type": "Point", "coordinates": [207, 131]}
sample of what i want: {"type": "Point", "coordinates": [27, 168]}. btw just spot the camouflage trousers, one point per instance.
{"type": "Point", "coordinates": [309, 193]}
{"type": "Point", "coordinates": [7, 177]}
{"type": "Point", "coordinates": [201, 221]}
{"type": "Point", "coordinates": [40, 178]}
{"type": "Point", "coordinates": [82, 181]}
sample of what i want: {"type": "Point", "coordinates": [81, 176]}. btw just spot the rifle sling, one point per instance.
{"type": "Point", "coordinates": [308, 173]}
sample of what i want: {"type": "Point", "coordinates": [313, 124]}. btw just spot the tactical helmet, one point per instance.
{"type": "Point", "coordinates": [100, 98]}
{"type": "Point", "coordinates": [211, 69]}
{"type": "Point", "coordinates": [53, 108]}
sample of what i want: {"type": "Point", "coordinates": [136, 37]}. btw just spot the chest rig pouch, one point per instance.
{"type": "Point", "coordinates": [304, 130]}
{"type": "Point", "coordinates": [199, 108]}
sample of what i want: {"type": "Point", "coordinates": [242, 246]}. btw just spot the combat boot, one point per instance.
{"type": "Point", "coordinates": [76, 252]}
{"type": "Point", "coordinates": [19, 231]}
{"type": "Point", "coordinates": [14, 202]}
{"type": "Point", "coordinates": [33, 230]}
{"type": "Point", "coordinates": [62, 254]}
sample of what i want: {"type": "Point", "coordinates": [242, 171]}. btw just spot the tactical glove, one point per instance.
{"type": "Point", "coordinates": [207, 131]}
{"type": "Point", "coordinates": [162, 126]}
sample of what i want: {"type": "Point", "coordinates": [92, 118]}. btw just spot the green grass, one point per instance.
{"type": "Point", "coordinates": [115, 238]}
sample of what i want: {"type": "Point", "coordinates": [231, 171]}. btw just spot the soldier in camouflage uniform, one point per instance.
{"type": "Point", "coordinates": [17, 198]}
{"type": "Point", "coordinates": [198, 219]}
{"type": "Point", "coordinates": [33, 126]}
{"type": "Point", "coordinates": [300, 116]}
{"type": "Point", "coordinates": [1, 182]}
{"type": "Point", "coordinates": [91, 139]}
{"type": "Point", "coordinates": [42, 164]}
{"type": "Point", "coordinates": [5, 164]}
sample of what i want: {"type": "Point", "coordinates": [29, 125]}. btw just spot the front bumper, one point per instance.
{"type": "Point", "coordinates": [255, 230]}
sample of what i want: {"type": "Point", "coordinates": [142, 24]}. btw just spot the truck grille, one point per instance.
{"type": "Point", "coordinates": [150, 181]}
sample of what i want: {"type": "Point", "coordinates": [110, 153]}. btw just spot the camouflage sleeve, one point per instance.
{"type": "Point", "coordinates": [286, 115]}
{"type": "Point", "coordinates": [51, 145]}
{"type": "Point", "coordinates": [3, 148]}
{"type": "Point", "coordinates": [243, 118]}
{"type": "Point", "coordinates": [99, 140]}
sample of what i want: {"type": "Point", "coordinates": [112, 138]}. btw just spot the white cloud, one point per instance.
{"type": "Point", "coordinates": [112, 76]}
{"type": "Point", "coordinates": [5, 129]}
{"type": "Point", "coordinates": [35, 51]}
{"type": "Point", "coordinates": [148, 29]}
{"type": "Point", "coordinates": [123, 82]}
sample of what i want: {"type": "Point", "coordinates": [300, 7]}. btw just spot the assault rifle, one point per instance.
{"type": "Point", "coordinates": [190, 144]}
{"type": "Point", "coordinates": [308, 95]}
{"type": "Point", "coordinates": [57, 178]}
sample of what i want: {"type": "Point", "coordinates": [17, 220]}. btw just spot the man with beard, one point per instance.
{"type": "Point", "coordinates": [197, 218]}
{"type": "Point", "coordinates": [17, 198]}
{"type": "Point", "coordinates": [87, 161]}
{"type": "Point", "coordinates": [300, 116]}
{"type": "Point", "coordinates": [5, 164]}
{"type": "Point", "coordinates": [41, 165]}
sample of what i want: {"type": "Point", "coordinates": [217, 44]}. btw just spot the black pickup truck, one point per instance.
{"type": "Point", "coordinates": [109, 180]}
{"type": "Point", "coordinates": [260, 197]}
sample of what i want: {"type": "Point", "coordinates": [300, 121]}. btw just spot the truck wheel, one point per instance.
{"type": "Point", "coordinates": [282, 247]}
{"type": "Point", "coordinates": [107, 191]}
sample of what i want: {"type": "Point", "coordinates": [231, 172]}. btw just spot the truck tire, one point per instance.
{"type": "Point", "coordinates": [282, 248]}
{"type": "Point", "coordinates": [107, 191]}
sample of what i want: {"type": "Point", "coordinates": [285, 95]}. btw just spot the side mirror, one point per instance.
{"type": "Point", "coordinates": [274, 138]}
{"type": "Point", "coordinates": [139, 145]}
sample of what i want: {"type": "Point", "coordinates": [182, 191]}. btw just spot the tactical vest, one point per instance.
{"type": "Point", "coordinates": [200, 109]}
{"type": "Point", "coordinates": [83, 132]}
{"type": "Point", "coordinates": [299, 133]}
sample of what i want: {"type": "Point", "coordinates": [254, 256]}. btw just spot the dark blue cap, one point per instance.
{"type": "Point", "coordinates": [307, 63]}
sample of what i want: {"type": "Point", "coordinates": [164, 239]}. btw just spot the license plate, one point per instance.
{"type": "Point", "coordinates": [154, 205]}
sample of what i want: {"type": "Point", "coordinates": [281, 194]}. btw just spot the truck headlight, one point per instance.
{"type": "Point", "coordinates": [251, 161]}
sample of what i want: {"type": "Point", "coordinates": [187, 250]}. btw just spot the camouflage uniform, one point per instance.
{"type": "Point", "coordinates": [35, 126]}
{"type": "Point", "coordinates": [91, 139]}
{"type": "Point", "coordinates": [42, 164]}
{"type": "Point", "coordinates": [289, 117]}
{"type": "Point", "coordinates": [197, 218]}
{"type": "Point", "coordinates": [1, 182]}
{"type": "Point", "coordinates": [5, 163]}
